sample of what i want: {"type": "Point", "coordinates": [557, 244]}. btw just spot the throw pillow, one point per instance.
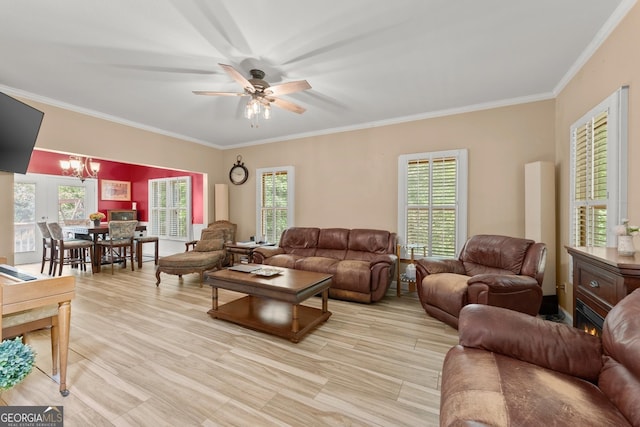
{"type": "Point", "coordinates": [212, 234]}
{"type": "Point", "coordinates": [209, 245]}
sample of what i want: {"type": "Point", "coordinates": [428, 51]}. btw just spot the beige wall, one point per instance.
{"type": "Point", "coordinates": [615, 64]}
{"type": "Point", "coordinates": [71, 132]}
{"type": "Point", "coordinates": [67, 131]}
{"type": "Point", "coordinates": [350, 179]}
{"type": "Point", "coordinates": [346, 179]}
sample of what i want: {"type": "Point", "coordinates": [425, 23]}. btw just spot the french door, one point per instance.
{"type": "Point", "coordinates": [47, 198]}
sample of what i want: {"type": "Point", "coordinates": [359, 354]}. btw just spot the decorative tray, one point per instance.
{"type": "Point", "coordinates": [267, 272]}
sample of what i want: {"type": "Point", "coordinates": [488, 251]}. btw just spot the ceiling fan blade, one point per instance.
{"type": "Point", "coordinates": [289, 87]}
{"type": "Point", "coordinates": [235, 75]}
{"type": "Point", "coordinates": [210, 93]}
{"type": "Point", "coordinates": [290, 106]}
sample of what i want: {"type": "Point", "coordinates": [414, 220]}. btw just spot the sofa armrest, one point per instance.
{"type": "Point", "coordinates": [504, 282]}
{"type": "Point", "coordinates": [437, 265]}
{"type": "Point", "coordinates": [384, 259]}
{"type": "Point", "coordinates": [554, 346]}
{"type": "Point", "coordinates": [428, 265]}
{"type": "Point", "coordinates": [190, 245]}
{"type": "Point", "coordinates": [382, 269]}
{"type": "Point", "coordinates": [263, 252]}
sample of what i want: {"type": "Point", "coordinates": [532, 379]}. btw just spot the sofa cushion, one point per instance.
{"type": "Point", "coordinates": [353, 275]}
{"type": "Point", "coordinates": [333, 243]}
{"type": "Point", "coordinates": [492, 254]}
{"type": "Point", "coordinates": [209, 245]}
{"type": "Point", "coordinates": [213, 234]}
{"type": "Point", "coordinates": [192, 259]}
{"type": "Point", "coordinates": [283, 260]}
{"type": "Point", "coordinates": [447, 291]}
{"type": "Point", "coordinates": [300, 240]}
{"type": "Point", "coordinates": [365, 244]}
{"type": "Point", "coordinates": [317, 264]}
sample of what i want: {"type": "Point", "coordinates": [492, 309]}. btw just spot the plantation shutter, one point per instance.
{"type": "Point", "coordinates": [431, 211]}
{"type": "Point", "coordinates": [590, 144]}
{"type": "Point", "coordinates": [274, 203]}
{"type": "Point", "coordinates": [170, 207]}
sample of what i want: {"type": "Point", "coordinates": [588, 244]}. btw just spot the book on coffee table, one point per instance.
{"type": "Point", "coordinates": [245, 268]}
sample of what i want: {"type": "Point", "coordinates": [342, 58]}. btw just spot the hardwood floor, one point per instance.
{"type": "Point", "coordinates": [147, 356]}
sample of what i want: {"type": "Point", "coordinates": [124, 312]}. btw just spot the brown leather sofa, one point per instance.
{"type": "Point", "coordinates": [511, 369]}
{"type": "Point", "coordinates": [494, 270]}
{"type": "Point", "coordinates": [362, 261]}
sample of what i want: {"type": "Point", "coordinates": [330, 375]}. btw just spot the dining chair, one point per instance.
{"type": "Point", "coordinates": [118, 241]}
{"type": "Point", "coordinates": [71, 252]}
{"type": "Point", "coordinates": [48, 247]}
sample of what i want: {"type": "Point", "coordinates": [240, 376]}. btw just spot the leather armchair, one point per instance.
{"type": "Point", "coordinates": [519, 370]}
{"type": "Point", "coordinates": [492, 270]}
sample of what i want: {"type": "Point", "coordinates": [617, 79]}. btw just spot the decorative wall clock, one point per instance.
{"type": "Point", "coordinates": [238, 173]}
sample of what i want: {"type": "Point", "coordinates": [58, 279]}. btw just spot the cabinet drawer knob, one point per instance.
{"type": "Point", "coordinates": [594, 284]}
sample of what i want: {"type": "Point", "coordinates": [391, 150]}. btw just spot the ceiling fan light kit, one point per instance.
{"type": "Point", "coordinates": [261, 93]}
{"type": "Point", "coordinates": [256, 109]}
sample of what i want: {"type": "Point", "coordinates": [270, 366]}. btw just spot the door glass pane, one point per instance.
{"type": "Point", "coordinates": [71, 203]}
{"type": "Point", "coordinates": [24, 215]}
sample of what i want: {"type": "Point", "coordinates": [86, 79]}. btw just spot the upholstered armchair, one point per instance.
{"type": "Point", "coordinates": [207, 253]}
{"type": "Point", "coordinates": [492, 270]}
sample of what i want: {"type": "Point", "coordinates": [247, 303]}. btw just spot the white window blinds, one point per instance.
{"type": "Point", "coordinates": [599, 172]}
{"type": "Point", "coordinates": [590, 177]}
{"type": "Point", "coordinates": [170, 208]}
{"type": "Point", "coordinates": [432, 208]}
{"type": "Point", "coordinates": [275, 195]}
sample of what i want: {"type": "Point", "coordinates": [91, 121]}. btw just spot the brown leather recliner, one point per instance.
{"type": "Point", "coordinates": [492, 270]}
{"type": "Point", "coordinates": [516, 370]}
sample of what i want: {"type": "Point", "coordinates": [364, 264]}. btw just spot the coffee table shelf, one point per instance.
{"type": "Point", "coordinates": [272, 304]}
{"type": "Point", "coordinates": [270, 316]}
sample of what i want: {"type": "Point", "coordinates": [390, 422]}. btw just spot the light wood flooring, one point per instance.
{"type": "Point", "coordinates": [142, 355]}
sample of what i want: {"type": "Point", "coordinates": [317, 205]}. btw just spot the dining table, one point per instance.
{"type": "Point", "coordinates": [94, 232]}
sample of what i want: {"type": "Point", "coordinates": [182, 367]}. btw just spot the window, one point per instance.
{"type": "Point", "coordinates": [71, 202]}
{"type": "Point", "coordinates": [599, 172]}
{"type": "Point", "coordinates": [432, 201]}
{"type": "Point", "coordinates": [24, 216]}
{"type": "Point", "coordinates": [170, 208]}
{"type": "Point", "coordinates": [275, 202]}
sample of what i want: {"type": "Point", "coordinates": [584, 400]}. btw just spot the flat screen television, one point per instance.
{"type": "Point", "coordinates": [19, 127]}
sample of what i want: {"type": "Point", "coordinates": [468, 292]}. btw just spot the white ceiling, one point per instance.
{"type": "Point", "coordinates": [369, 62]}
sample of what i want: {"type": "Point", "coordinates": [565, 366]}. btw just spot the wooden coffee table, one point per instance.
{"type": "Point", "coordinates": [272, 304]}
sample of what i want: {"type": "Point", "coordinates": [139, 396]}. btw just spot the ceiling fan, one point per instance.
{"type": "Point", "coordinates": [261, 93]}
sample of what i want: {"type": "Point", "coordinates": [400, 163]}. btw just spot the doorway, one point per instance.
{"type": "Point", "coordinates": [47, 198]}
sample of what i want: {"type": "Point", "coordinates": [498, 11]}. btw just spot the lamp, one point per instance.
{"type": "Point", "coordinates": [78, 166]}
{"type": "Point", "coordinates": [257, 106]}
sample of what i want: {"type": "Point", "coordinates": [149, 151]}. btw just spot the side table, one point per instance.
{"type": "Point", "coordinates": [243, 249]}
{"type": "Point", "coordinates": [405, 254]}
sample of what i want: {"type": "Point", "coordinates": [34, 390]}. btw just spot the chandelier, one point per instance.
{"type": "Point", "coordinates": [257, 107]}
{"type": "Point", "coordinates": [80, 167]}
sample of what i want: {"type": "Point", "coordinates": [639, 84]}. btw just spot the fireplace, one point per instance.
{"type": "Point", "coordinates": [587, 319]}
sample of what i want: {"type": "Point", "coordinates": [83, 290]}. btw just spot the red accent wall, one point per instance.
{"type": "Point", "coordinates": [48, 163]}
